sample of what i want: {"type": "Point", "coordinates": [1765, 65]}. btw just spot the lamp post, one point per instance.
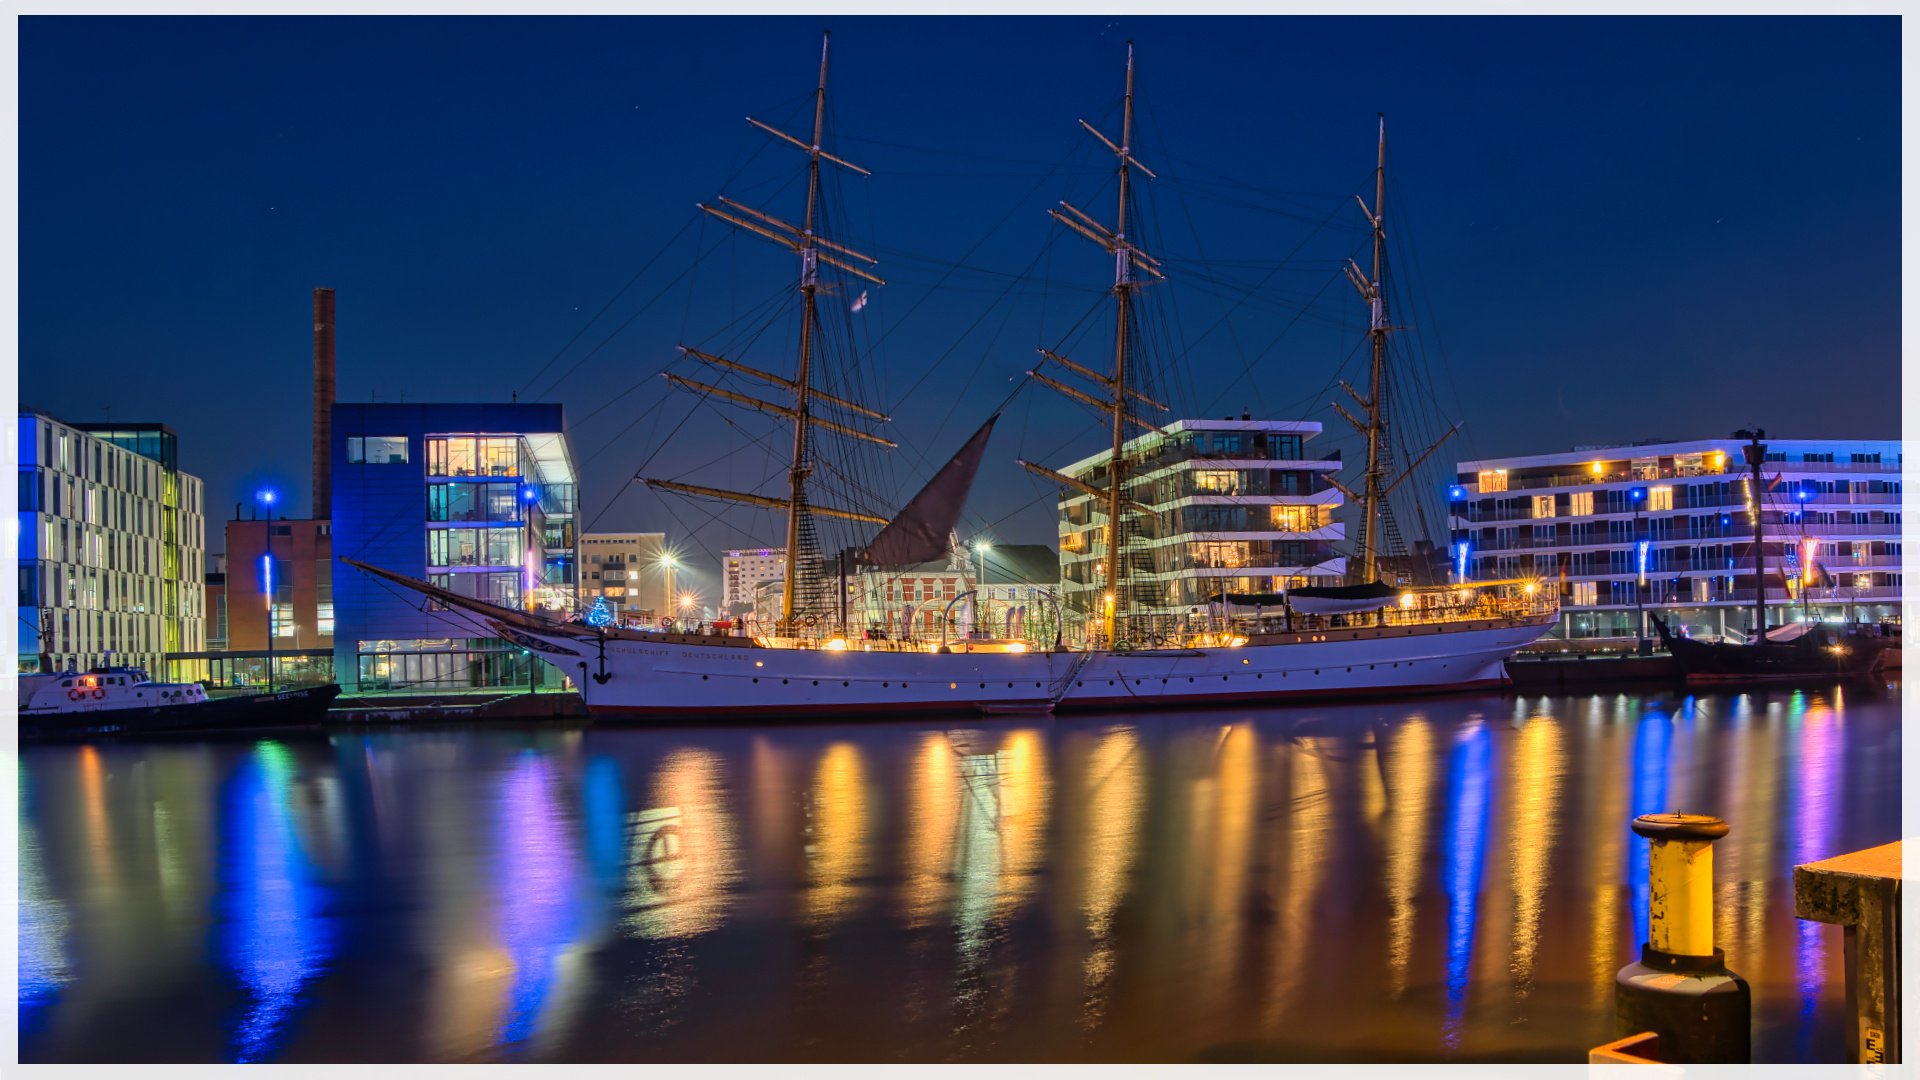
{"type": "Point", "coordinates": [1642, 548]}
{"type": "Point", "coordinates": [668, 565]}
{"type": "Point", "coordinates": [267, 497]}
{"type": "Point", "coordinates": [980, 547]}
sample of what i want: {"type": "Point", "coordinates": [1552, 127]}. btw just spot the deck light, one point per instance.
{"type": "Point", "coordinates": [837, 645]}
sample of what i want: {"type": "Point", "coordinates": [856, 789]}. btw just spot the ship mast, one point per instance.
{"type": "Point", "coordinates": [1127, 259]}
{"type": "Point", "coordinates": [809, 284]}
{"type": "Point", "coordinates": [1373, 486]}
{"type": "Point", "coordinates": [1122, 301]}
{"type": "Point", "coordinates": [806, 242]}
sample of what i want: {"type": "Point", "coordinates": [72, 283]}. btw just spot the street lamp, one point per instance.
{"type": "Point", "coordinates": [1642, 548]}
{"type": "Point", "coordinates": [669, 564]}
{"type": "Point", "coordinates": [980, 583]}
{"type": "Point", "coordinates": [267, 497]}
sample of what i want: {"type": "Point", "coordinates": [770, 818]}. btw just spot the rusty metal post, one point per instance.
{"type": "Point", "coordinates": [1681, 990]}
{"type": "Point", "coordinates": [1861, 891]}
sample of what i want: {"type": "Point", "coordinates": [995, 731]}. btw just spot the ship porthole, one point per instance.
{"type": "Point", "coordinates": [886, 684]}
{"type": "Point", "coordinates": [703, 678]}
{"type": "Point", "coordinates": [783, 682]}
{"type": "Point", "coordinates": [1163, 681]}
{"type": "Point", "coordinates": [816, 682]}
{"type": "Point", "coordinates": [846, 684]}
{"type": "Point", "coordinates": [756, 680]}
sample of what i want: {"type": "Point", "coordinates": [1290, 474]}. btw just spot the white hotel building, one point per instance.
{"type": "Point", "coordinates": [1591, 517]}
{"type": "Point", "coordinates": [1237, 507]}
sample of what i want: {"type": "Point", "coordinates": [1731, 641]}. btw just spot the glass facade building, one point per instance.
{"type": "Point", "coordinates": [1667, 527]}
{"type": "Point", "coordinates": [112, 537]}
{"type": "Point", "coordinates": [478, 499]}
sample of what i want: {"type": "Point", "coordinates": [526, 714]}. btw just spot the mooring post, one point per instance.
{"type": "Point", "coordinates": [1681, 991]}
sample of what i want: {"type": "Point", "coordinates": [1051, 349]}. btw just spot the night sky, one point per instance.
{"type": "Point", "coordinates": [1603, 230]}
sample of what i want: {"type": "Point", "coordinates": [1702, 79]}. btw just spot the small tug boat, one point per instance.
{"type": "Point", "coordinates": [126, 701]}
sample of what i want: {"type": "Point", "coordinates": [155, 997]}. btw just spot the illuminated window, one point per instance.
{"type": "Point", "coordinates": [324, 619]}
{"type": "Point", "coordinates": [1493, 480]}
{"type": "Point", "coordinates": [1646, 468]}
{"type": "Point", "coordinates": [1582, 503]}
{"type": "Point", "coordinates": [1296, 518]}
{"type": "Point", "coordinates": [1543, 506]}
{"type": "Point", "coordinates": [1586, 593]}
{"type": "Point", "coordinates": [1660, 498]}
{"type": "Point", "coordinates": [1216, 481]}
{"type": "Point", "coordinates": [1218, 553]}
{"type": "Point", "coordinates": [499, 457]}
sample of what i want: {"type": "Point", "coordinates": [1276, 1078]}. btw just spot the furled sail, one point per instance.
{"type": "Point", "coordinates": [1341, 599]}
{"type": "Point", "coordinates": [919, 532]}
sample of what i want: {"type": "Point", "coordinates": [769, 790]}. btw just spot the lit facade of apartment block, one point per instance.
{"type": "Point", "coordinates": [1236, 506]}
{"type": "Point", "coordinates": [631, 572]}
{"type": "Point", "coordinates": [1667, 528]}
{"type": "Point", "coordinates": [743, 570]}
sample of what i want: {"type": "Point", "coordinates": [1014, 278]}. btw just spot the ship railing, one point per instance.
{"type": "Point", "coordinates": [1414, 606]}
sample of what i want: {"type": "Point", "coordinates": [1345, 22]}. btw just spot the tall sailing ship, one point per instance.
{"type": "Point", "coordinates": [1367, 637]}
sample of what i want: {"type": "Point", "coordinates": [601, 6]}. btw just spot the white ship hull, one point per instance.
{"type": "Point", "coordinates": [678, 677]}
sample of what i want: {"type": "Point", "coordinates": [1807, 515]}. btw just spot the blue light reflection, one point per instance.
{"type": "Point", "coordinates": [273, 936]}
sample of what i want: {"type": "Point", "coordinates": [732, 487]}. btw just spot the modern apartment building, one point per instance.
{"type": "Point", "coordinates": [479, 499]}
{"type": "Point", "coordinates": [112, 538]}
{"type": "Point", "coordinates": [1236, 506]}
{"type": "Point", "coordinates": [1667, 527]}
{"type": "Point", "coordinates": [742, 571]}
{"type": "Point", "coordinates": [632, 572]}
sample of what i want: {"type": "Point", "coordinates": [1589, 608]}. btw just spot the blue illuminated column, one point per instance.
{"type": "Point", "coordinates": [267, 497]}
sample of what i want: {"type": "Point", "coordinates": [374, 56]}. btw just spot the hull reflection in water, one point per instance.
{"type": "Point", "coordinates": [1451, 879]}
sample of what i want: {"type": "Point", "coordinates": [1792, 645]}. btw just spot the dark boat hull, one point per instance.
{"type": "Point", "coordinates": [306, 706]}
{"type": "Point", "coordinates": [1816, 654]}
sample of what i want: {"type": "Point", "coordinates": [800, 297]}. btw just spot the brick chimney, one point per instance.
{"type": "Point", "coordinates": [323, 387]}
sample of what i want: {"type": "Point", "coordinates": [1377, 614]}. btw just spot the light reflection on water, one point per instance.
{"type": "Point", "coordinates": [1447, 879]}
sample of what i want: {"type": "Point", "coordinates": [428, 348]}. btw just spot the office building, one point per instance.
{"type": "Point", "coordinates": [479, 499]}
{"type": "Point", "coordinates": [1236, 506]}
{"type": "Point", "coordinates": [741, 573]}
{"type": "Point", "coordinates": [111, 546]}
{"type": "Point", "coordinates": [631, 572]}
{"type": "Point", "coordinates": [1667, 527]}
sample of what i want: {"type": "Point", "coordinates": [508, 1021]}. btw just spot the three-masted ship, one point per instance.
{"type": "Point", "coordinates": [1363, 638]}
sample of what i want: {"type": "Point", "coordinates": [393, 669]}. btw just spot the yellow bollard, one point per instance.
{"type": "Point", "coordinates": [1680, 993]}
{"type": "Point", "coordinates": [1680, 881]}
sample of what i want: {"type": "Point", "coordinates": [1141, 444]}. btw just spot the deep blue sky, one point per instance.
{"type": "Point", "coordinates": [1623, 228]}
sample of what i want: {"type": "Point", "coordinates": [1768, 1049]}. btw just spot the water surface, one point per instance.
{"type": "Point", "coordinates": [1447, 879]}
